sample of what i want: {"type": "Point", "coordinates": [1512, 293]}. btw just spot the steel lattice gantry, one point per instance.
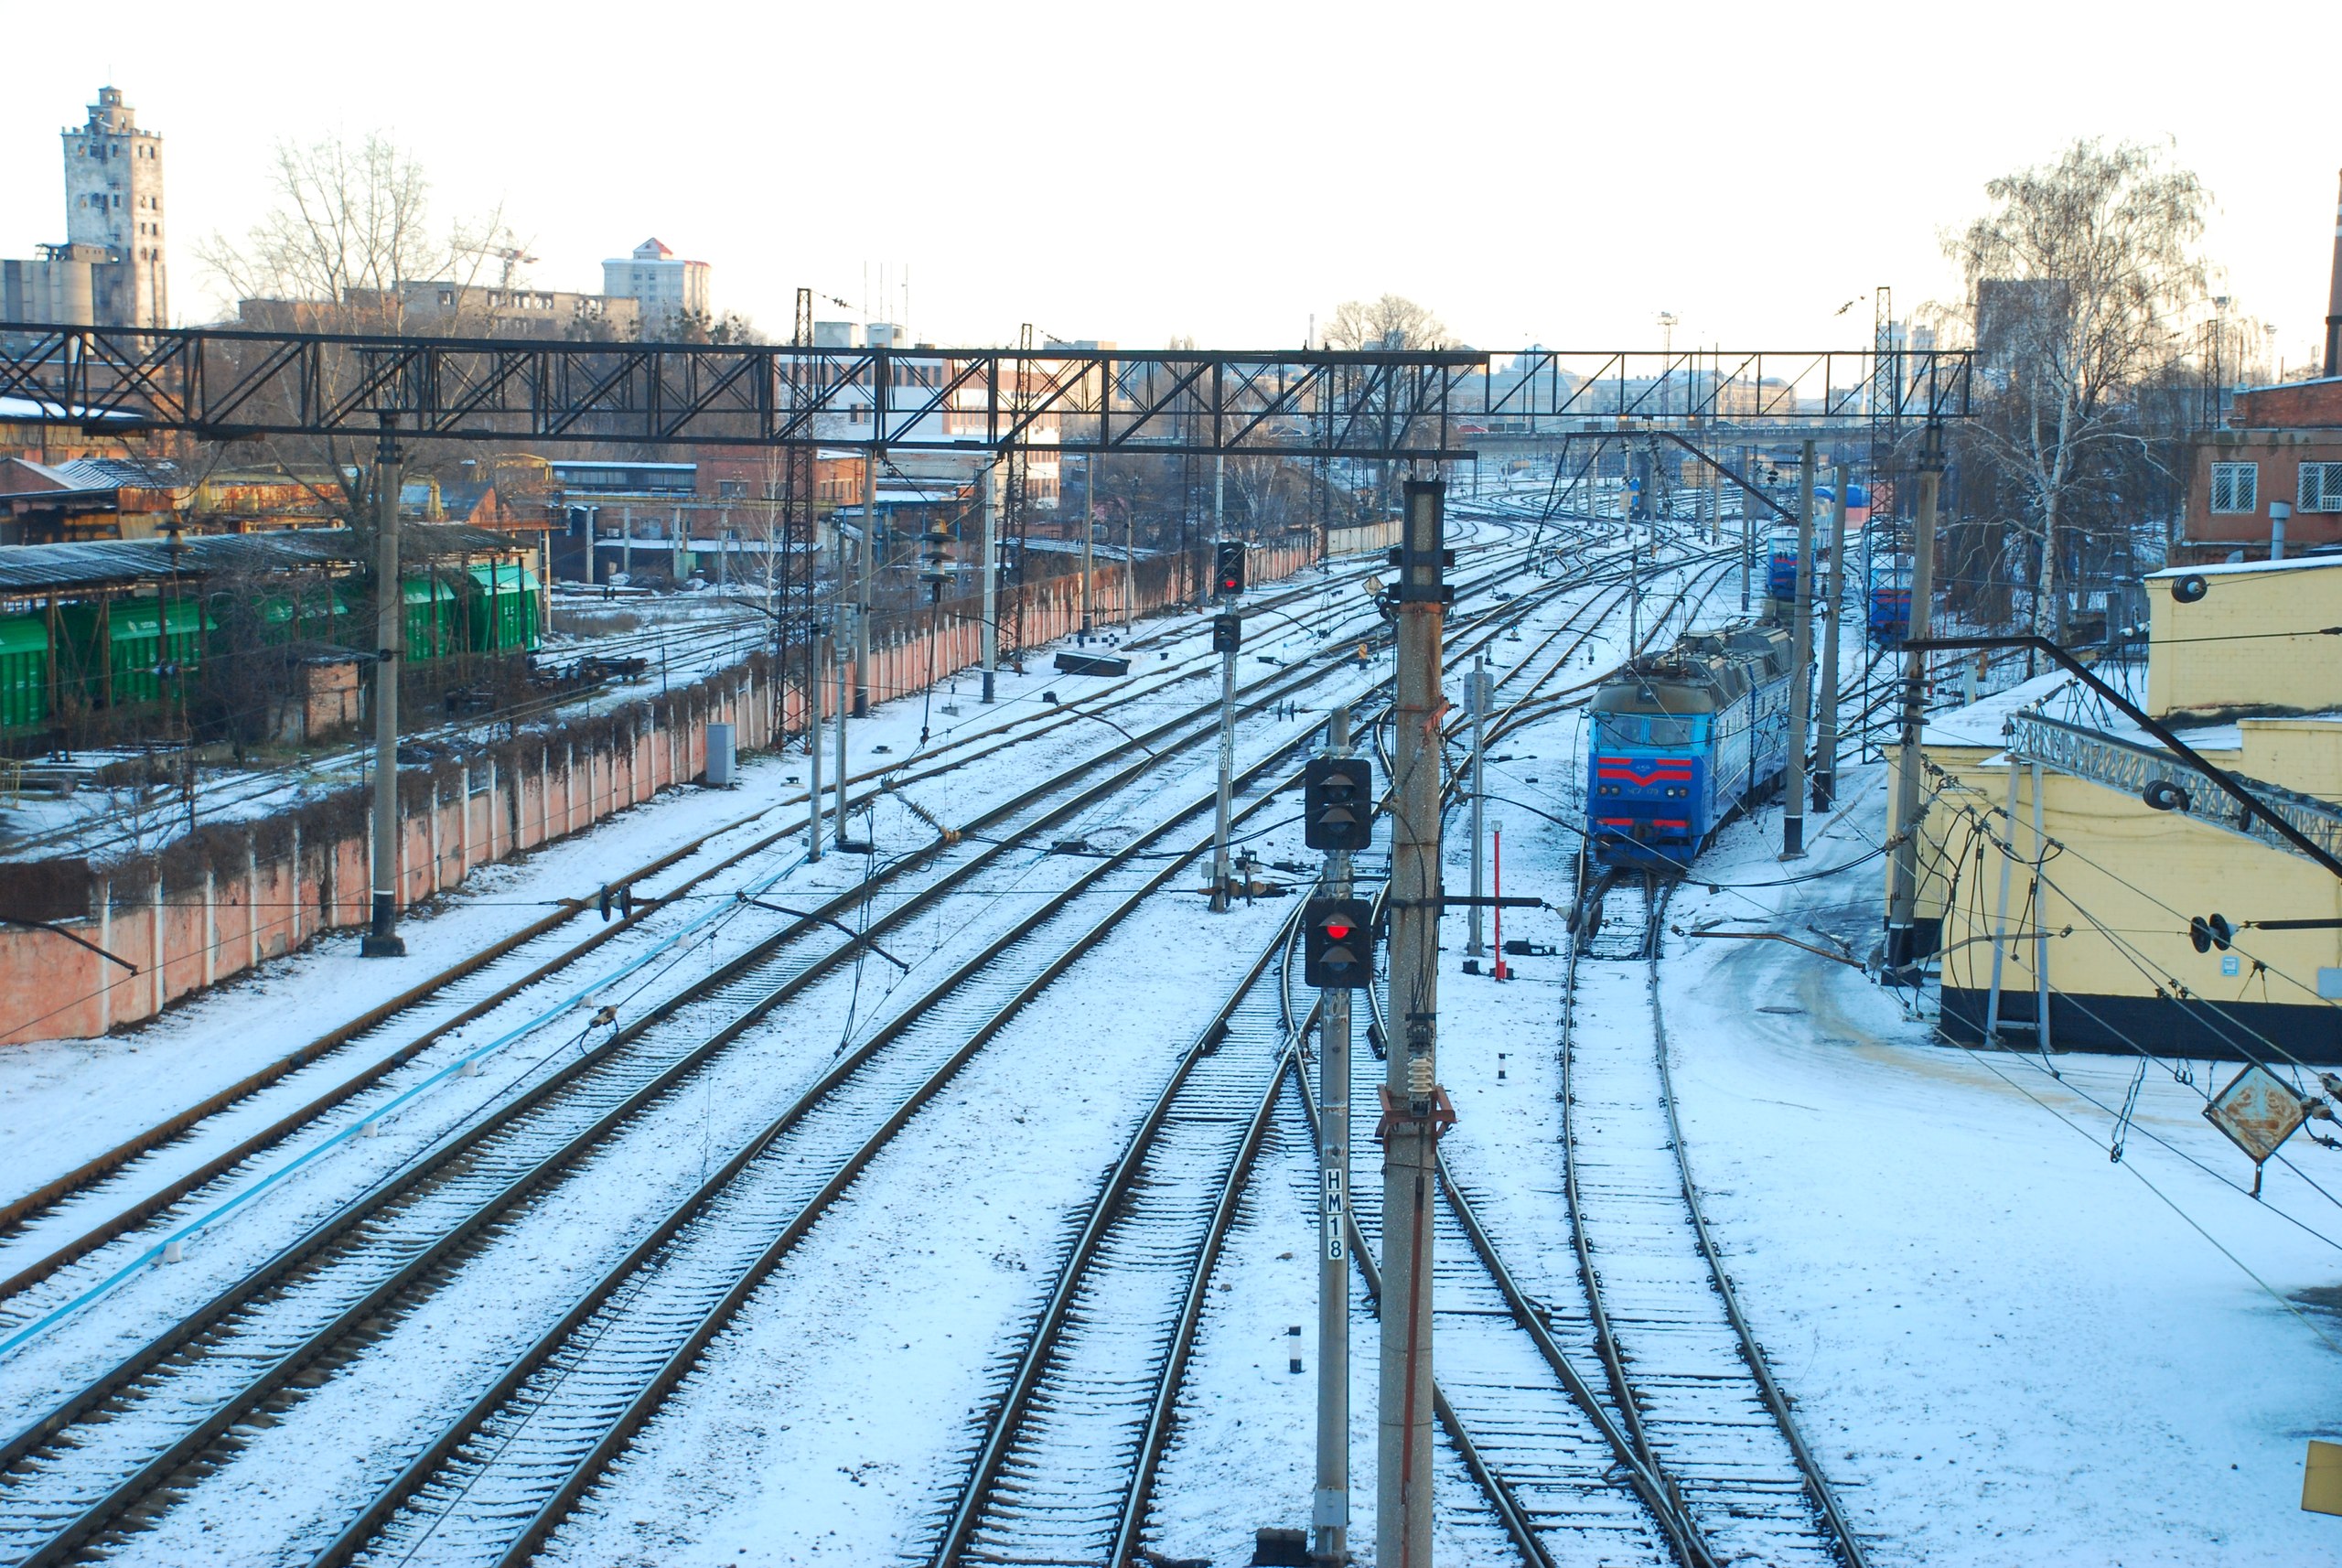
{"type": "Point", "coordinates": [1431, 405]}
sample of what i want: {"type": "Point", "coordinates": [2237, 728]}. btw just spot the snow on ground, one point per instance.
{"type": "Point", "coordinates": [1973, 1303]}
{"type": "Point", "coordinates": [2004, 1346]}
{"type": "Point", "coordinates": [833, 1413]}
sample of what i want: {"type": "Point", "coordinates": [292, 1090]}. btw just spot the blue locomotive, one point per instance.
{"type": "Point", "coordinates": [1684, 740]}
{"type": "Point", "coordinates": [1887, 570]}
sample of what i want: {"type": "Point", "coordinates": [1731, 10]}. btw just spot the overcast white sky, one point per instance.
{"type": "Point", "coordinates": [1540, 172]}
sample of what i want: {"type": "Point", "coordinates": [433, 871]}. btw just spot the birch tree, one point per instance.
{"type": "Point", "coordinates": [2079, 279]}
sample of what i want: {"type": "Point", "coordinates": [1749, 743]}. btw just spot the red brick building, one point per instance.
{"type": "Point", "coordinates": [2282, 445]}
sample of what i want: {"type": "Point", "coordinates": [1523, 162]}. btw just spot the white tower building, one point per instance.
{"type": "Point", "coordinates": [113, 202]}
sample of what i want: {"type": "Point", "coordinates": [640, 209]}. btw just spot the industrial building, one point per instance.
{"type": "Point", "coordinates": [109, 270]}
{"type": "Point", "coordinates": [2089, 878]}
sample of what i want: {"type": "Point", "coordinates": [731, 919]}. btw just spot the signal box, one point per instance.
{"type": "Point", "coordinates": [1227, 568]}
{"type": "Point", "coordinates": [1338, 943]}
{"type": "Point", "coordinates": [1337, 803]}
{"type": "Point", "coordinates": [1227, 632]}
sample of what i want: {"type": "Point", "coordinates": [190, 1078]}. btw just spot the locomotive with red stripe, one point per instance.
{"type": "Point", "coordinates": [1685, 740]}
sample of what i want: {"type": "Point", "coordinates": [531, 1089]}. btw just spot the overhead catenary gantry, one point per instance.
{"type": "Point", "coordinates": [1430, 405]}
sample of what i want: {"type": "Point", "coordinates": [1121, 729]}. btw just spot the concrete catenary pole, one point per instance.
{"type": "Point", "coordinates": [1479, 692]}
{"type": "Point", "coordinates": [866, 578]}
{"type": "Point", "coordinates": [1414, 1107]}
{"type": "Point", "coordinates": [1800, 667]}
{"type": "Point", "coordinates": [383, 939]}
{"type": "Point", "coordinates": [988, 633]}
{"type": "Point", "coordinates": [1329, 1513]}
{"type": "Point", "coordinates": [1903, 869]}
{"type": "Point", "coordinates": [1825, 744]}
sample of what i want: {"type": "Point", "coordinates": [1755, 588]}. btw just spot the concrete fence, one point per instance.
{"type": "Point", "coordinates": [220, 900]}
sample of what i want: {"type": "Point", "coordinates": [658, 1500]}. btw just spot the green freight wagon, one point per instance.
{"type": "Point", "coordinates": [24, 673]}
{"type": "Point", "coordinates": [149, 646]}
{"type": "Point", "coordinates": [503, 613]}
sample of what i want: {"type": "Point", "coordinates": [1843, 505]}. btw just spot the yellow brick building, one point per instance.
{"type": "Point", "coordinates": [2244, 663]}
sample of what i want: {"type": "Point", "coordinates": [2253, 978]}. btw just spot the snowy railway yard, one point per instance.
{"type": "Point", "coordinates": [957, 1202]}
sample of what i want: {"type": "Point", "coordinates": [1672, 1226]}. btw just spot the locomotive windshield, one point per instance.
{"type": "Point", "coordinates": [1650, 729]}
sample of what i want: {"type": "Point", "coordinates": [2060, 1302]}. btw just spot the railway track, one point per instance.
{"type": "Point", "coordinates": [297, 1347]}
{"type": "Point", "coordinates": [1066, 1460]}
{"type": "Point", "coordinates": [1653, 1303]}
{"type": "Point", "coordinates": [1065, 1463]}
{"type": "Point", "coordinates": [143, 1175]}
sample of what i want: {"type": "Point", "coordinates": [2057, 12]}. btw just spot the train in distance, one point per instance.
{"type": "Point", "coordinates": [1683, 741]}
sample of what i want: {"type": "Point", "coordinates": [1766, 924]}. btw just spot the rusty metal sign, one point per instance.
{"type": "Point", "coordinates": [2257, 1111]}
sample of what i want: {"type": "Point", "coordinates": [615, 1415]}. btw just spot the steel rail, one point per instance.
{"type": "Point", "coordinates": [646, 1401]}
{"type": "Point", "coordinates": [140, 1362]}
{"type": "Point", "coordinates": [1041, 1340]}
{"type": "Point", "coordinates": [1817, 1482]}
{"type": "Point", "coordinates": [1510, 1510]}
{"type": "Point", "coordinates": [1648, 1478]}
{"type": "Point", "coordinates": [413, 1177]}
{"type": "Point", "coordinates": [64, 1186]}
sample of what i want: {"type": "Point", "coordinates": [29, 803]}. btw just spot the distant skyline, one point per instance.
{"type": "Point", "coordinates": [1229, 172]}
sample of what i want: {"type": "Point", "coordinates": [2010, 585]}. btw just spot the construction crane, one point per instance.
{"type": "Point", "coordinates": [510, 256]}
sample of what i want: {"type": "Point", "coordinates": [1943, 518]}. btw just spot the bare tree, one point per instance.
{"type": "Point", "coordinates": [2079, 279]}
{"type": "Point", "coordinates": [1390, 322]}
{"type": "Point", "coordinates": [351, 222]}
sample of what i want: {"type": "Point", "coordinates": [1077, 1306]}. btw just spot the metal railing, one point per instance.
{"type": "Point", "coordinates": [2130, 766]}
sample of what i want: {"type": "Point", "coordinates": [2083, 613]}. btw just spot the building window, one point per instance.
{"type": "Point", "coordinates": [2321, 488]}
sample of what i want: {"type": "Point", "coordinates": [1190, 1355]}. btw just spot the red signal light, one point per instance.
{"type": "Point", "coordinates": [1339, 930]}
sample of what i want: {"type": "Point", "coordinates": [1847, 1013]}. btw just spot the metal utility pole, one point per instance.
{"type": "Point", "coordinates": [1414, 1108]}
{"type": "Point", "coordinates": [842, 704]}
{"type": "Point", "coordinates": [1329, 1514]}
{"type": "Point", "coordinates": [1825, 745]}
{"type": "Point", "coordinates": [1479, 696]}
{"type": "Point", "coordinates": [383, 939]}
{"type": "Point", "coordinates": [1225, 636]}
{"type": "Point", "coordinates": [1903, 871]}
{"type": "Point", "coordinates": [1633, 571]}
{"type": "Point", "coordinates": [861, 595]}
{"type": "Point", "coordinates": [989, 632]}
{"type": "Point", "coordinates": [1089, 535]}
{"type": "Point", "coordinates": [1800, 667]}
{"type": "Point", "coordinates": [1219, 503]}
{"type": "Point", "coordinates": [817, 672]}
{"type": "Point", "coordinates": [1747, 525]}
{"type": "Point", "coordinates": [1130, 568]}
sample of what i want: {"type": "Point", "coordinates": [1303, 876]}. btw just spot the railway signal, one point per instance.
{"type": "Point", "coordinates": [1227, 569]}
{"type": "Point", "coordinates": [1338, 809]}
{"type": "Point", "coordinates": [1338, 943]}
{"type": "Point", "coordinates": [1227, 632]}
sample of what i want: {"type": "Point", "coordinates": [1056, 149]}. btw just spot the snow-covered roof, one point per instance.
{"type": "Point", "coordinates": [2230, 568]}
{"type": "Point", "coordinates": [1980, 723]}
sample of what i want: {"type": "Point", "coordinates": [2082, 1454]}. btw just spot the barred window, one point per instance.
{"type": "Point", "coordinates": [2321, 488]}
{"type": "Point", "coordinates": [2236, 487]}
